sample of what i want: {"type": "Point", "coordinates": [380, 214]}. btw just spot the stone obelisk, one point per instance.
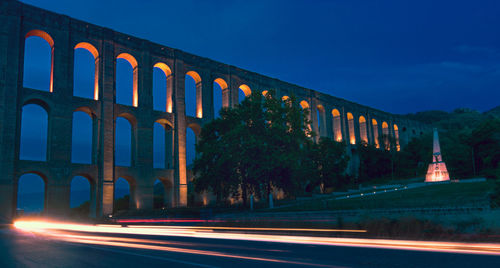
{"type": "Point", "coordinates": [437, 169]}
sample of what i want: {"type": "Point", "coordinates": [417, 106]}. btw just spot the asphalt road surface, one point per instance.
{"type": "Point", "coordinates": [21, 248]}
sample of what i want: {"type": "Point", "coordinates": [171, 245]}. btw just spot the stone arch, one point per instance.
{"type": "Point", "coordinates": [86, 110]}
{"type": "Point", "coordinates": [121, 89]}
{"type": "Point", "coordinates": [163, 196]}
{"type": "Point", "coordinates": [82, 138]}
{"type": "Point", "coordinates": [375, 133]}
{"type": "Point", "coordinates": [193, 131]}
{"type": "Point", "coordinates": [396, 137]}
{"type": "Point", "coordinates": [124, 140]}
{"type": "Point", "coordinates": [221, 96]}
{"type": "Point", "coordinates": [93, 51]}
{"type": "Point", "coordinates": [38, 182]}
{"type": "Point", "coordinates": [196, 128]}
{"type": "Point", "coordinates": [363, 130]}
{"type": "Point", "coordinates": [77, 196]}
{"type": "Point", "coordinates": [162, 94]}
{"type": "Point", "coordinates": [321, 118]}
{"type": "Point", "coordinates": [120, 192]}
{"type": "Point", "coordinates": [162, 144]}
{"type": "Point", "coordinates": [198, 103]}
{"type": "Point", "coordinates": [350, 123]}
{"type": "Point", "coordinates": [246, 90]}
{"type": "Point", "coordinates": [337, 125]}
{"type": "Point", "coordinates": [304, 104]}
{"type": "Point", "coordinates": [27, 68]}
{"type": "Point", "coordinates": [39, 102]}
{"type": "Point", "coordinates": [385, 128]}
{"type": "Point", "coordinates": [34, 138]}
{"type": "Point", "coordinates": [385, 134]}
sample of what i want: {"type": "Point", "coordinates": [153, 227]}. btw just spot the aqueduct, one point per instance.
{"type": "Point", "coordinates": [332, 117]}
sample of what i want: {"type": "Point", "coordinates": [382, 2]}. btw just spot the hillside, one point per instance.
{"type": "Point", "coordinates": [440, 195]}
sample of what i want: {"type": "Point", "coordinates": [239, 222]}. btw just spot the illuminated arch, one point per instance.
{"type": "Point", "coordinates": [45, 36]}
{"type": "Point", "coordinates": [41, 34]}
{"type": "Point", "coordinates": [222, 84]}
{"type": "Point", "coordinates": [385, 133]}
{"type": "Point", "coordinates": [363, 135]}
{"type": "Point", "coordinates": [198, 91]}
{"type": "Point", "coordinates": [396, 137]}
{"type": "Point", "coordinates": [375, 133]}
{"type": "Point", "coordinates": [128, 58]}
{"type": "Point", "coordinates": [196, 77]}
{"type": "Point", "coordinates": [246, 90]}
{"type": "Point", "coordinates": [350, 123]}
{"type": "Point", "coordinates": [385, 128]}
{"type": "Point", "coordinates": [304, 104]}
{"type": "Point", "coordinates": [285, 98]}
{"type": "Point", "coordinates": [90, 48]}
{"type": "Point", "coordinates": [221, 95]}
{"type": "Point", "coordinates": [167, 89]}
{"type": "Point", "coordinates": [337, 129]}
{"type": "Point", "coordinates": [264, 93]}
{"type": "Point", "coordinates": [320, 116]}
{"type": "Point", "coordinates": [133, 62]}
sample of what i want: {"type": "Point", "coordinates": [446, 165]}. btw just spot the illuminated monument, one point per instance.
{"type": "Point", "coordinates": [437, 169]}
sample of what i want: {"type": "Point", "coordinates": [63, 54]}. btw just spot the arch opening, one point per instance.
{"type": "Point", "coordinates": [38, 72]}
{"type": "Point", "coordinates": [350, 123]}
{"type": "Point", "coordinates": [190, 146]}
{"type": "Point", "coordinates": [385, 133]}
{"type": "Point", "coordinates": [320, 117]}
{"type": "Point", "coordinates": [162, 145]}
{"type": "Point", "coordinates": [221, 96]}
{"type": "Point", "coordinates": [123, 195]}
{"type": "Point", "coordinates": [127, 80]}
{"type": "Point", "coordinates": [375, 133]}
{"type": "Point", "coordinates": [123, 142]}
{"type": "Point", "coordinates": [82, 138]}
{"type": "Point", "coordinates": [86, 71]}
{"type": "Point", "coordinates": [31, 194]}
{"type": "Point", "coordinates": [162, 88]}
{"type": "Point", "coordinates": [243, 92]}
{"type": "Point", "coordinates": [396, 137]}
{"type": "Point", "coordinates": [363, 134]}
{"type": "Point", "coordinates": [82, 196]}
{"type": "Point", "coordinates": [337, 125]}
{"type": "Point", "coordinates": [34, 133]}
{"type": "Point", "coordinates": [162, 194]}
{"type": "Point", "coordinates": [193, 95]}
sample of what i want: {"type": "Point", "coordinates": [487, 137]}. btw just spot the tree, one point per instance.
{"type": "Point", "coordinates": [257, 147]}
{"type": "Point", "coordinates": [328, 164]}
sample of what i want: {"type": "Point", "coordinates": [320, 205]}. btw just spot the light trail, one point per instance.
{"type": "Point", "coordinates": [42, 227]}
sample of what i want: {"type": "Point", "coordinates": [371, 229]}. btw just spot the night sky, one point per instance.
{"type": "Point", "coordinates": [394, 56]}
{"type": "Point", "coordinates": [398, 56]}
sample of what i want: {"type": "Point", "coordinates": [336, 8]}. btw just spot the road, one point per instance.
{"type": "Point", "coordinates": [142, 247]}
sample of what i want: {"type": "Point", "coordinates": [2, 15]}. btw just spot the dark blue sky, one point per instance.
{"type": "Point", "coordinates": [398, 56]}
